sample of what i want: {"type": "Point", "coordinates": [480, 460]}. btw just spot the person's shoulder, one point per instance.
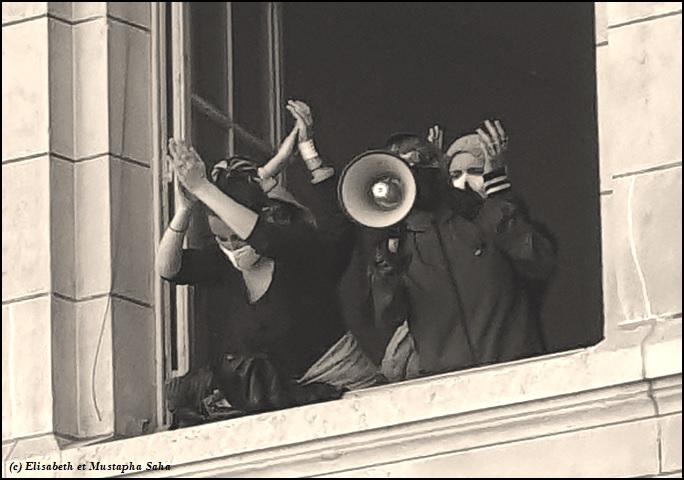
{"type": "Point", "coordinates": [283, 213]}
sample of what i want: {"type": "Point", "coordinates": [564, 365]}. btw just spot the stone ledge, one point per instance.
{"type": "Point", "coordinates": [543, 396]}
{"type": "Point", "coordinates": [609, 451]}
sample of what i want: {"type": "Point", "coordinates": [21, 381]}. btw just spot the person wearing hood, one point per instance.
{"type": "Point", "coordinates": [278, 338]}
{"type": "Point", "coordinates": [455, 285]}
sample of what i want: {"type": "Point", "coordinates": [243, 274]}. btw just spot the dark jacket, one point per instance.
{"type": "Point", "coordinates": [258, 350]}
{"type": "Point", "coordinates": [464, 285]}
{"type": "Point", "coordinates": [298, 319]}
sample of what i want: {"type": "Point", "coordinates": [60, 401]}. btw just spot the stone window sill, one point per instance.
{"type": "Point", "coordinates": [479, 396]}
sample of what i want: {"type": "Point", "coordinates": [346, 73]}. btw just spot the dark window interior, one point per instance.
{"type": "Point", "coordinates": [373, 69]}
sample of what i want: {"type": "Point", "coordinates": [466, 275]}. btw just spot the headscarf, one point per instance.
{"type": "Point", "coordinates": [239, 178]}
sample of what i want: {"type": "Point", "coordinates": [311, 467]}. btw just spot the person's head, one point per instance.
{"type": "Point", "coordinates": [425, 161]}
{"type": "Point", "coordinates": [414, 149]}
{"type": "Point", "coordinates": [466, 160]}
{"type": "Point", "coordinates": [238, 178]}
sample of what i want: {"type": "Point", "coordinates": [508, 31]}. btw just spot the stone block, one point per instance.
{"type": "Point", "coordinates": [62, 234]}
{"type": "Point", "coordinates": [641, 114]}
{"type": "Point", "coordinates": [92, 227]}
{"type": "Point", "coordinates": [135, 387]}
{"type": "Point", "coordinates": [27, 364]}
{"type": "Point", "coordinates": [65, 360]}
{"type": "Point", "coordinates": [85, 10]}
{"type": "Point", "coordinates": [129, 67]}
{"type": "Point", "coordinates": [646, 233]}
{"type": "Point", "coordinates": [601, 21]}
{"type": "Point", "coordinates": [622, 450]}
{"type": "Point", "coordinates": [132, 230]}
{"type": "Point", "coordinates": [61, 88]}
{"type": "Point", "coordinates": [26, 228]}
{"type": "Point", "coordinates": [671, 441]}
{"type": "Point", "coordinates": [25, 91]}
{"type": "Point", "coordinates": [16, 11]}
{"type": "Point", "coordinates": [90, 79]}
{"type": "Point", "coordinates": [137, 13]}
{"type": "Point", "coordinates": [621, 12]}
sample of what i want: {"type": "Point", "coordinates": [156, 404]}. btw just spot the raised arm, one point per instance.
{"type": "Point", "coordinates": [326, 209]}
{"type": "Point", "coordinates": [169, 253]}
{"type": "Point", "coordinates": [334, 228]}
{"type": "Point", "coordinates": [192, 174]}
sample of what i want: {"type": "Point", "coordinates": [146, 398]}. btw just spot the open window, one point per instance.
{"type": "Point", "coordinates": [371, 70]}
{"type": "Point", "coordinates": [224, 93]}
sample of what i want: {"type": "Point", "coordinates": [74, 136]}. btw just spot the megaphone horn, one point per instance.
{"type": "Point", "coordinates": [377, 189]}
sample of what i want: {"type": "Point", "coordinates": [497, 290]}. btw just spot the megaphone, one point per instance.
{"type": "Point", "coordinates": [377, 189]}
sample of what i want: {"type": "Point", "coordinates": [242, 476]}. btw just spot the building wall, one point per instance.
{"type": "Point", "coordinates": [77, 283]}
{"type": "Point", "coordinates": [78, 303]}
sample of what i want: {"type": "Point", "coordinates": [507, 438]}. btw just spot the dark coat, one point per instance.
{"type": "Point", "coordinates": [464, 285]}
{"type": "Point", "coordinates": [298, 318]}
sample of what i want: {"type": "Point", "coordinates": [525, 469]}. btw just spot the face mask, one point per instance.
{"type": "Point", "coordinates": [243, 258]}
{"type": "Point", "coordinates": [466, 170]}
{"type": "Point", "coordinates": [475, 182]}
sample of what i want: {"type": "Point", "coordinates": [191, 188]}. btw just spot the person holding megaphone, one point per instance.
{"type": "Point", "coordinates": [452, 279]}
{"type": "Point", "coordinates": [278, 338]}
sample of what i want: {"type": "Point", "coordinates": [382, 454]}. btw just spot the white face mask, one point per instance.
{"type": "Point", "coordinates": [243, 258]}
{"type": "Point", "coordinates": [467, 169]}
{"type": "Point", "coordinates": [475, 182]}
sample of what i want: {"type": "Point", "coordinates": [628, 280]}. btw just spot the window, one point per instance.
{"type": "Point", "coordinates": [223, 92]}
{"type": "Point", "coordinates": [372, 71]}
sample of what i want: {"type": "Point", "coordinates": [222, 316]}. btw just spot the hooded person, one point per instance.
{"type": "Point", "coordinates": [455, 286]}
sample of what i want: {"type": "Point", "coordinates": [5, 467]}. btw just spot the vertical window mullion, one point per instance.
{"type": "Point", "coordinates": [229, 77]}
{"type": "Point", "coordinates": [181, 129]}
{"type": "Point", "coordinates": [161, 207]}
{"type": "Point", "coordinates": [275, 71]}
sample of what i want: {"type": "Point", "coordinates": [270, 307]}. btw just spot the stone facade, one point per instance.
{"type": "Point", "coordinates": [79, 328]}
{"type": "Point", "coordinates": [77, 212]}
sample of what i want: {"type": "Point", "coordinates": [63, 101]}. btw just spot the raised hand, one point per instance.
{"type": "Point", "coordinates": [188, 165]}
{"type": "Point", "coordinates": [436, 136]}
{"type": "Point", "coordinates": [494, 144]}
{"type": "Point", "coordinates": [303, 117]}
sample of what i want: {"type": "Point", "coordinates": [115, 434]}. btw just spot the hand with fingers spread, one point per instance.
{"type": "Point", "coordinates": [495, 145]}
{"type": "Point", "coordinates": [188, 165]}
{"type": "Point", "coordinates": [436, 136]}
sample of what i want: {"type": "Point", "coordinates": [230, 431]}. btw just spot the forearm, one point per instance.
{"type": "Point", "coordinates": [171, 246]}
{"type": "Point", "coordinates": [239, 218]}
{"type": "Point", "coordinates": [314, 162]}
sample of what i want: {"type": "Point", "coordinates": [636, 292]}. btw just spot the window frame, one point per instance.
{"type": "Point", "coordinates": [183, 102]}
{"type": "Point", "coordinates": [631, 355]}
{"type": "Point", "coordinates": [604, 356]}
